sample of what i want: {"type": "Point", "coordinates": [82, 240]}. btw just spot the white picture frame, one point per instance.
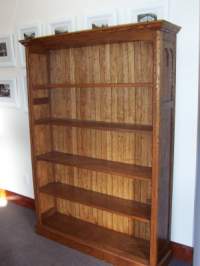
{"type": "Point", "coordinates": [9, 96]}
{"type": "Point", "coordinates": [7, 58]}
{"type": "Point", "coordinates": [99, 19]}
{"type": "Point", "coordinates": [61, 25]}
{"type": "Point", "coordinates": [160, 9]}
{"type": "Point", "coordinates": [25, 32]}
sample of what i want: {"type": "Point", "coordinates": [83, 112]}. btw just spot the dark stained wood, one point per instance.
{"type": "Point", "coordinates": [95, 236]}
{"type": "Point", "coordinates": [101, 125]}
{"type": "Point", "coordinates": [165, 259]}
{"type": "Point", "coordinates": [163, 139]}
{"type": "Point", "coordinates": [132, 209]}
{"type": "Point", "coordinates": [182, 252]}
{"type": "Point", "coordinates": [94, 85]}
{"type": "Point", "coordinates": [39, 101]}
{"type": "Point", "coordinates": [105, 166]}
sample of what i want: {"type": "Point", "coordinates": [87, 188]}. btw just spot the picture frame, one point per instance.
{"type": "Point", "coordinates": [9, 96]}
{"type": "Point", "coordinates": [7, 58]}
{"type": "Point", "coordinates": [101, 20]}
{"type": "Point", "coordinates": [62, 25]}
{"type": "Point", "coordinates": [27, 32]}
{"type": "Point", "coordinates": [160, 9]}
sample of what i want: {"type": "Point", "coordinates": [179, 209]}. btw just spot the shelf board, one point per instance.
{"type": "Point", "coordinates": [94, 124]}
{"type": "Point", "coordinates": [93, 85]}
{"type": "Point", "coordinates": [130, 208]}
{"type": "Point", "coordinates": [38, 101]}
{"type": "Point", "coordinates": [111, 167]}
{"type": "Point", "coordinates": [70, 230]}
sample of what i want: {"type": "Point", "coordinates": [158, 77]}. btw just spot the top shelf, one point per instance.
{"type": "Point", "coordinates": [93, 85]}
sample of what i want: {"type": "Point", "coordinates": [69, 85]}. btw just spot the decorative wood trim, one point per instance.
{"type": "Point", "coordinates": [20, 200]}
{"type": "Point", "coordinates": [179, 251]}
{"type": "Point", "coordinates": [128, 32]}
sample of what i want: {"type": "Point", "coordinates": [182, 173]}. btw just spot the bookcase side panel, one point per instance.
{"type": "Point", "coordinates": [40, 135]}
{"type": "Point", "coordinates": [167, 115]}
{"type": "Point", "coordinates": [163, 135]}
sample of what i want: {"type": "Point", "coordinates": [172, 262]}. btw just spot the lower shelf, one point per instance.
{"type": "Point", "coordinates": [95, 240]}
{"type": "Point", "coordinates": [129, 208]}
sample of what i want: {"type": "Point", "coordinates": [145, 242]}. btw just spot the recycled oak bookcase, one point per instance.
{"type": "Point", "coordinates": [102, 123]}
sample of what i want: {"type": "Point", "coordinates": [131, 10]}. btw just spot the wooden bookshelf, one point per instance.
{"type": "Point", "coordinates": [101, 108]}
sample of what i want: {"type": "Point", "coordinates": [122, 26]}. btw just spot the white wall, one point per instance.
{"type": "Point", "coordinates": [186, 14]}
{"type": "Point", "coordinates": [15, 164]}
{"type": "Point", "coordinates": [14, 137]}
{"type": "Point", "coordinates": [196, 258]}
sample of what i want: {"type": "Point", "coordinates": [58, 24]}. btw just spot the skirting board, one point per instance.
{"type": "Point", "coordinates": [179, 251]}
{"type": "Point", "coordinates": [21, 200]}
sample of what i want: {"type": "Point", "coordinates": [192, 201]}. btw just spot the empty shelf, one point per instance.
{"type": "Point", "coordinates": [111, 167]}
{"type": "Point", "coordinates": [130, 208]}
{"type": "Point", "coordinates": [75, 231]}
{"type": "Point", "coordinates": [94, 124]}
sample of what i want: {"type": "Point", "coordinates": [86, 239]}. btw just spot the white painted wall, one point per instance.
{"type": "Point", "coordinates": [186, 14]}
{"type": "Point", "coordinates": [196, 258]}
{"type": "Point", "coordinates": [15, 165]}
{"type": "Point", "coordinates": [15, 172]}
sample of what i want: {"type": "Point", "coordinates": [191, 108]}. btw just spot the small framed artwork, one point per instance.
{"type": "Point", "coordinates": [101, 20]}
{"type": "Point", "coordinates": [6, 51]}
{"type": "Point", "coordinates": [8, 93]}
{"type": "Point", "coordinates": [61, 26]}
{"type": "Point", "coordinates": [146, 17]}
{"type": "Point", "coordinates": [147, 14]}
{"type": "Point", "coordinates": [151, 12]}
{"type": "Point", "coordinates": [26, 33]}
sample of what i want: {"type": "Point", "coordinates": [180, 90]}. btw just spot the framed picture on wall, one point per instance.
{"type": "Point", "coordinates": [6, 51]}
{"type": "Point", "coordinates": [101, 20]}
{"type": "Point", "coordinates": [26, 33]}
{"type": "Point", "coordinates": [9, 93]}
{"type": "Point", "coordinates": [157, 10]}
{"type": "Point", "coordinates": [60, 26]}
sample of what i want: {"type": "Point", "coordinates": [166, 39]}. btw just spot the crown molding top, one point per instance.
{"type": "Point", "coordinates": [127, 32]}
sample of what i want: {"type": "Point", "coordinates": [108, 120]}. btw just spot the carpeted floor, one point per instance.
{"type": "Point", "coordinates": [20, 246]}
